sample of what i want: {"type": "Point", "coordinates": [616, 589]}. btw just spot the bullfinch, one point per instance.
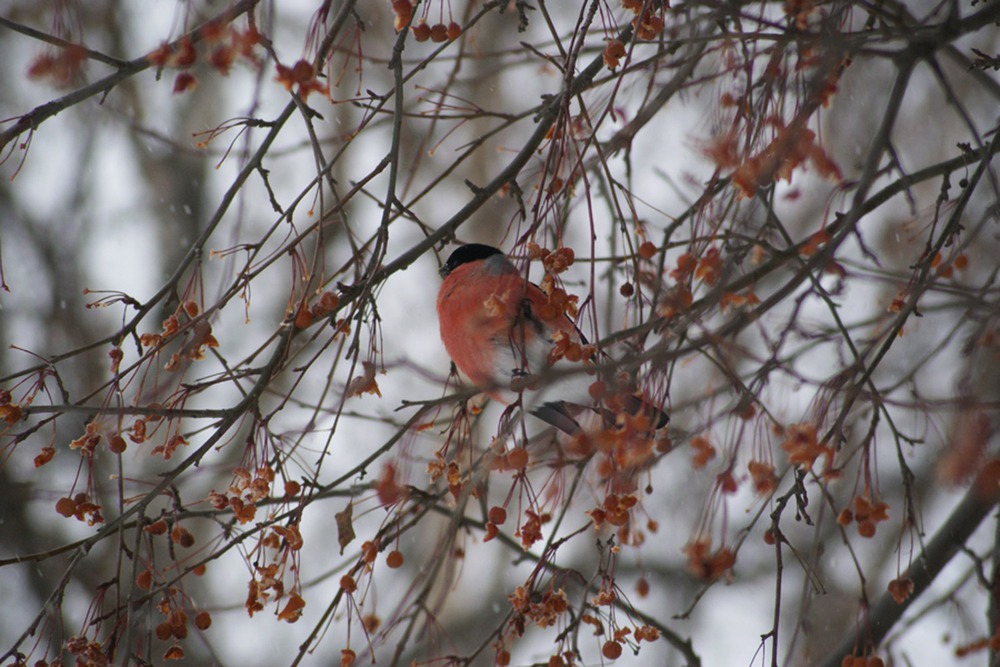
{"type": "Point", "coordinates": [493, 327]}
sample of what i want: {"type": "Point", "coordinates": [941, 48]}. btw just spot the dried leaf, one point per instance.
{"type": "Point", "coordinates": [345, 527]}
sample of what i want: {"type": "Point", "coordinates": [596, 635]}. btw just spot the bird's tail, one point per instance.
{"type": "Point", "coordinates": [566, 416]}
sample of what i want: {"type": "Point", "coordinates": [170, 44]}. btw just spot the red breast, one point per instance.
{"type": "Point", "coordinates": [477, 306]}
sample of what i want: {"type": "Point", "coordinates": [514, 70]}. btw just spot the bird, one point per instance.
{"type": "Point", "coordinates": [501, 331]}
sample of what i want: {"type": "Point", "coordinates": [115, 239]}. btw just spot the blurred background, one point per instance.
{"type": "Point", "coordinates": [230, 431]}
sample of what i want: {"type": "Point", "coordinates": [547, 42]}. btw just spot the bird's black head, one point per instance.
{"type": "Point", "coordinates": [470, 252]}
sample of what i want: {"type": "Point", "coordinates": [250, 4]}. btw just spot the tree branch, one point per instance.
{"type": "Point", "coordinates": [886, 612]}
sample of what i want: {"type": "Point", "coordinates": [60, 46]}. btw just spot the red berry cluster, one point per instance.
{"type": "Point", "coordinates": [422, 31]}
